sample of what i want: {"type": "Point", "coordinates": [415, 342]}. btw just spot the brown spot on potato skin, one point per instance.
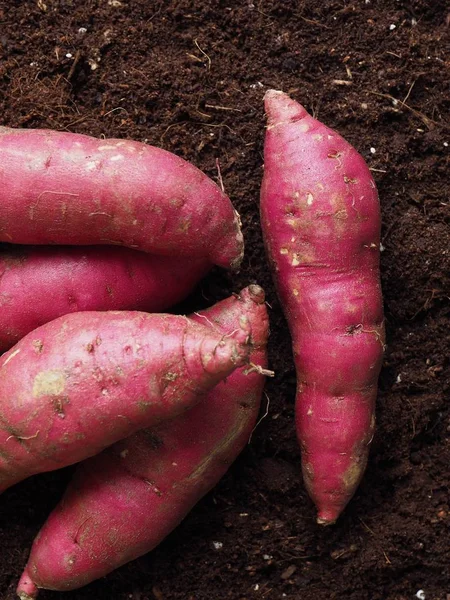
{"type": "Point", "coordinates": [38, 346]}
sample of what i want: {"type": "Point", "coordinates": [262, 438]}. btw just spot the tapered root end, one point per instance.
{"type": "Point", "coordinates": [27, 590]}
{"type": "Point", "coordinates": [325, 522]}
{"type": "Point", "coordinates": [254, 293]}
{"type": "Point", "coordinates": [229, 251]}
{"type": "Point", "coordinates": [280, 109]}
{"type": "Point", "coordinates": [326, 517]}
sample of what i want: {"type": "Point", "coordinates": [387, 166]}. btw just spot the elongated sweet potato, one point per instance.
{"type": "Point", "coordinates": [84, 381]}
{"type": "Point", "coordinates": [39, 284]}
{"type": "Point", "coordinates": [123, 502]}
{"type": "Point", "coordinates": [321, 223]}
{"type": "Point", "coordinates": [65, 188]}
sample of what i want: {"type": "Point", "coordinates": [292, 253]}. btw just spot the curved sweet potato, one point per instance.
{"type": "Point", "coordinates": [84, 381]}
{"type": "Point", "coordinates": [39, 284]}
{"type": "Point", "coordinates": [123, 502]}
{"type": "Point", "coordinates": [320, 216]}
{"type": "Point", "coordinates": [66, 188]}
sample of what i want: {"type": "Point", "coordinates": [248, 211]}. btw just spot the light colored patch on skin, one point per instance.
{"type": "Point", "coordinates": [295, 292]}
{"type": "Point", "coordinates": [309, 198]}
{"type": "Point", "coordinates": [284, 251]}
{"type": "Point", "coordinates": [295, 260]}
{"type": "Point", "coordinates": [49, 383]}
{"type": "Point", "coordinates": [318, 137]}
{"type": "Point", "coordinates": [117, 157]}
{"type": "Point", "coordinates": [219, 449]}
{"type": "Point", "coordinates": [5, 299]}
{"type": "Point", "coordinates": [310, 411]}
{"type": "Point", "coordinates": [185, 224]}
{"type": "Point", "coordinates": [11, 356]}
{"type": "Point", "coordinates": [353, 474]}
{"type": "Point", "coordinates": [170, 376]}
{"type": "Point", "coordinates": [341, 214]}
{"type": "Point", "coordinates": [303, 126]}
{"type": "Point", "coordinates": [91, 165]}
{"type": "Point", "coordinates": [176, 202]}
{"type": "Point", "coordinates": [37, 346]}
{"type": "Point", "coordinates": [107, 147]}
{"type": "Point", "coordinates": [308, 472]}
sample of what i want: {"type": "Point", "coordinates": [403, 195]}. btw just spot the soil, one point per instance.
{"type": "Point", "coordinates": [190, 76]}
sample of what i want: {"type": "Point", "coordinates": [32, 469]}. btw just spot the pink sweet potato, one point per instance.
{"type": "Point", "coordinates": [321, 223]}
{"type": "Point", "coordinates": [123, 502]}
{"type": "Point", "coordinates": [78, 384]}
{"type": "Point", "coordinates": [39, 284]}
{"type": "Point", "coordinates": [65, 188]}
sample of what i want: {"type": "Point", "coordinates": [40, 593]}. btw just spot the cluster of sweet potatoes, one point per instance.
{"type": "Point", "coordinates": [98, 237]}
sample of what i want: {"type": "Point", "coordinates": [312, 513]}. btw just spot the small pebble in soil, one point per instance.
{"type": "Point", "coordinates": [372, 150]}
{"type": "Point", "coordinates": [421, 595]}
{"type": "Point", "coordinates": [217, 545]}
{"type": "Point", "coordinates": [288, 572]}
{"type": "Point", "coordinates": [392, 26]}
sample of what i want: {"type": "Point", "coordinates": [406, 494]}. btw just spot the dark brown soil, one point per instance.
{"type": "Point", "coordinates": [190, 76]}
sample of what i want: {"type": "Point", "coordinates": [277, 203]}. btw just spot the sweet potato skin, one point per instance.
{"type": "Point", "coordinates": [71, 189]}
{"type": "Point", "coordinates": [321, 223]}
{"type": "Point", "coordinates": [84, 381]}
{"type": "Point", "coordinates": [142, 487]}
{"type": "Point", "coordinates": [39, 284]}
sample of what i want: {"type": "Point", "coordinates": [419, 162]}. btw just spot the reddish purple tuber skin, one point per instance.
{"type": "Point", "coordinates": [67, 188]}
{"type": "Point", "coordinates": [39, 284]}
{"type": "Point", "coordinates": [320, 216]}
{"type": "Point", "coordinates": [123, 502]}
{"type": "Point", "coordinates": [84, 381]}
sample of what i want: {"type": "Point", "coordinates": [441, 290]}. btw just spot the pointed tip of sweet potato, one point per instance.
{"type": "Point", "coordinates": [26, 589]}
{"type": "Point", "coordinates": [280, 108]}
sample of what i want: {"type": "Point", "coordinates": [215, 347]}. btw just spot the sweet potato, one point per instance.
{"type": "Point", "coordinates": [321, 223]}
{"type": "Point", "coordinates": [78, 384]}
{"type": "Point", "coordinates": [123, 502]}
{"type": "Point", "coordinates": [65, 188]}
{"type": "Point", "coordinates": [39, 284]}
